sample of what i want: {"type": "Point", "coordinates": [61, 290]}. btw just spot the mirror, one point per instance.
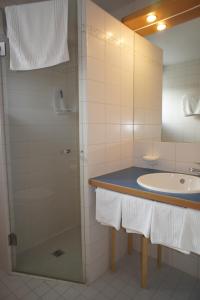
{"type": "Point", "coordinates": [181, 81]}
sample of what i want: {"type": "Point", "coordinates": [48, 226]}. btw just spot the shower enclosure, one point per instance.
{"type": "Point", "coordinates": [42, 150]}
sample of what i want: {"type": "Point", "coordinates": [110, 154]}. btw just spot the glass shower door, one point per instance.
{"type": "Point", "coordinates": [42, 138]}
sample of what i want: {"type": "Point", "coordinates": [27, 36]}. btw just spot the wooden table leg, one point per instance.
{"type": "Point", "coordinates": [130, 243]}
{"type": "Point", "coordinates": [159, 256]}
{"type": "Point", "coordinates": [144, 262]}
{"type": "Point", "coordinates": [113, 249]}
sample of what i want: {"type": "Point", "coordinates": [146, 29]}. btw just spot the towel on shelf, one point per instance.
{"type": "Point", "coordinates": [38, 34]}
{"type": "Point", "coordinates": [191, 105]}
{"type": "Point", "coordinates": [136, 215]}
{"type": "Point", "coordinates": [167, 226]}
{"type": "Point", "coordinates": [191, 231]}
{"type": "Point", "coordinates": [108, 208]}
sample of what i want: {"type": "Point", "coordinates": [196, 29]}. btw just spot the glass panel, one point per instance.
{"type": "Point", "coordinates": [42, 137]}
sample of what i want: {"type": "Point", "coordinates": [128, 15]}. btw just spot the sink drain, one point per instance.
{"type": "Point", "coordinates": [182, 180]}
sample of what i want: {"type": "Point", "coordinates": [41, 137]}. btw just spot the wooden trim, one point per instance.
{"type": "Point", "coordinates": [113, 250]}
{"type": "Point", "coordinates": [146, 195]}
{"type": "Point", "coordinates": [144, 261]}
{"type": "Point", "coordinates": [171, 22]}
{"type": "Point", "coordinates": [173, 12]}
{"type": "Point", "coordinates": [159, 256]}
{"type": "Point", "coordinates": [130, 243]}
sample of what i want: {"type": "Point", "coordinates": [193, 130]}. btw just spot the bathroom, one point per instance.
{"type": "Point", "coordinates": [102, 106]}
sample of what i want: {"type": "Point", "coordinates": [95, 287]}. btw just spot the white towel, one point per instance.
{"type": "Point", "coordinates": [191, 105]}
{"type": "Point", "coordinates": [37, 34]}
{"type": "Point", "coordinates": [136, 215]}
{"type": "Point", "coordinates": [191, 231]}
{"type": "Point", "coordinates": [167, 226]}
{"type": "Point", "coordinates": [108, 208]}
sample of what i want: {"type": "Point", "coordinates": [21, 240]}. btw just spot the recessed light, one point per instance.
{"type": "Point", "coordinates": [109, 35]}
{"type": "Point", "coordinates": [161, 26]}
{"type": "Point", "coordinates": [151, 18]}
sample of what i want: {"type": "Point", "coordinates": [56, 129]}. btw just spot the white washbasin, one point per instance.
{"type": "Point", "coordinates": [170, 183]}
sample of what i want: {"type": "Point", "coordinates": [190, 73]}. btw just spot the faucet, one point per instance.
{"type": "Point", "coordinates": [194, 170]}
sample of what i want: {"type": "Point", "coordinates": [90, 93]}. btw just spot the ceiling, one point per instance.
{"type": "Point", "coordinates": [180, 43]}
{"type": "Point", "coordinates": [112, 4]}
{"type": "Point", "coordinates": [122, 8]}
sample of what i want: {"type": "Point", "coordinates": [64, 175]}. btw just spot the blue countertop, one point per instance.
{"type": "Point", "coordinates": [127, 178]}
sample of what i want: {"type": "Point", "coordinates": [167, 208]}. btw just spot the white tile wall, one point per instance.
{"type": "Point", "coordinates": [147, 90]}
{"type": "Point", "coordinates": [106, 100]}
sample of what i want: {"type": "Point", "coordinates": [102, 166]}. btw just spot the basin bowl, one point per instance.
{"type": "Point", "coordinates": [170, 183]}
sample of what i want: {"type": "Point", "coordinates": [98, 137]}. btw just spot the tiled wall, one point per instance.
{"type": "Point", "coordinates": [147, 90]}
{"type": "Point", "coordinates": [180, 80]}
{"type": "Point", "coordinates": [106, 103]}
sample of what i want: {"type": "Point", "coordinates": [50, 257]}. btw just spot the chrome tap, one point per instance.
{"type": "Point", "coordinates": [194, 170]}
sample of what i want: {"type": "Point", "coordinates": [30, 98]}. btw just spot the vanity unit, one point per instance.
{"type": "Point", "coordinates": [126, 182]}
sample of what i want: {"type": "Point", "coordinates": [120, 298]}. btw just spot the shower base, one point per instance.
{"type": "Point", "coordinates": [41, 261]}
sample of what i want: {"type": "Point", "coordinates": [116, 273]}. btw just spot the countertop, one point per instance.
{"type": "Point", "coordinates": [125, 181]}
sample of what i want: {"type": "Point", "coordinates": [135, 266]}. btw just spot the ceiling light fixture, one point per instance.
{"type": "Point", "coordinates": [109, 35]}
{"type": "Point", "coordinates": [161, 26]}
{"type": "Point", "coordinates": [151, 18]}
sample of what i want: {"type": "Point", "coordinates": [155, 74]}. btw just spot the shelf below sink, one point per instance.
{"type": "Point", "coordinates": [174, 183]}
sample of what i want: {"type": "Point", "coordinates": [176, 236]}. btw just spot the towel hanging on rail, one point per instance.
{"type": "Point", "coordinates": [191, 105]}
{"type": "Point", "coordinates": [37, 34]}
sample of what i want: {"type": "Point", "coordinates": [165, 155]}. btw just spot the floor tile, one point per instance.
{"type": "Point", "coordinates": [164, 284]}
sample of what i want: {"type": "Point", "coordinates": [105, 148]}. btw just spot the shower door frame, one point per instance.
{"type": "Point", "coordinates": [7, 203]}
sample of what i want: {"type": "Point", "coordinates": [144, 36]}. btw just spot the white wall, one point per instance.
{"type": "Point", "coordinates": [148, 71]}
{"type": "Point", "coordinates": [180, 80]}
{"type": "Point", "coordinates": [107, 118]}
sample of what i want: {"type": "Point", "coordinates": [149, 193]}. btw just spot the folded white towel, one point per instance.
{"type": "Point", "coordinates": [191, 105]}
{"type": "Point", "coordinates": [136, 215]}
{"type": "Point", "coordinates": [108, 208]}
{"type": "Point", "coordinates": [37, 34]}
{"type": "Point", "coordinates": [167, 226]}
{"type": "Point", "coordinates": [191, 231]}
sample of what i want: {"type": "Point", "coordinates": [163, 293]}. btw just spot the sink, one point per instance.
{"type": "Point", "coordinates": [170, 183]}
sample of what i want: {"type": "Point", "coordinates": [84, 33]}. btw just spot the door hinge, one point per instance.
{"type": "Point", "coordinates": [2, 49]}
{"type": "Point", "coordinates": [12, 239]}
